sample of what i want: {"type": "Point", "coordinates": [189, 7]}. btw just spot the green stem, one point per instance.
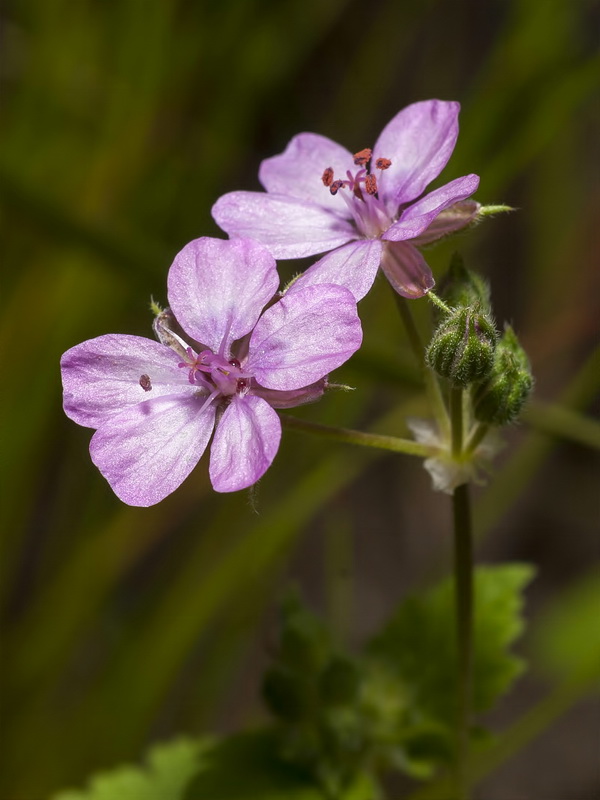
{"type": "Point", "coordinates": [393, 443]}
{"type": "Point", "coordinates": [476, 436]}
{"type": "Point", "coordinates": [437, 301]}
{"type": "Point", "coordinates": [463, 576]}
{"type": "Point", "coordinates": [432, 385]}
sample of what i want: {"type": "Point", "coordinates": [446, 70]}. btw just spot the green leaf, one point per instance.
{"type": "Point", "coordinates": [565, 640]}
{"type": "Point", "coordinates": [418, 644]}
{"type": "Point", "coordinates": [170, 768]}
{"type": "Point", "coordinates": [246, 767]}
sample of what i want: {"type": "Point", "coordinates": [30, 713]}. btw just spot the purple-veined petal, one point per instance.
{"type": "Point", "coordinates": [149, 449]}
{"type": "Point", "coordinates": [354, 266]}
{"type": "Point", "coordinates": [450, 220]}
{"type": "Point", "coordinates": [419, 140]}
{"type": "Point", "coordinates": [245, 443]}
{"type": "Point", "coordinates": [298, 171]}
{"type": "Point", "coordinates": [304, 336]}
{"type": "Point", "coordinates": [103, 376]}
{"type": "Point", "coordinates": [406, 270]}
{"type": "Point", "coordinates": [288, 227]}
{"type": "Point", "coordinates": [217, 289]}
{"type": "Point", "coordinates": [295, 397]}
{"type": "Point", "coordinates": [419, 216]}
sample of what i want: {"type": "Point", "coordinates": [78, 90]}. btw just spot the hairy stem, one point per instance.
{"type": "Point", "coordinates": [437, 301]}
{"type": "Point", "coordinates": [463, 577]}
{"type": "Point", "coordinates": [476, 436]}
{"type": "Point", "coordinates": [393, 443]}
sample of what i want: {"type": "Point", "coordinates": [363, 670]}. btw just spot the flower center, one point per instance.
{"type": "Point", "coordinates": [368, 211]}
{"type": "Point", "coordinates": [212, 371]}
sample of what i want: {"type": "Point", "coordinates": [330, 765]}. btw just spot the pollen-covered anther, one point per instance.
{"type": "Point", "coordinates": [336, 186]}
{"type": "Point", "coordinates": [371, 184]}
{"type": "Point", "coordinates": [362, 158]}
{"type": "Point", "coordinates": [327, 176]}
{"type": "Point", "coordinates": [383, 163]}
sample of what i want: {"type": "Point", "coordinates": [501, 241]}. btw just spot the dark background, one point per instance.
{"type": "Point", "coordinates": [122, 123]}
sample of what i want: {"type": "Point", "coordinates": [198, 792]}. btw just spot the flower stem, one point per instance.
{"type": "Point", "coordinates": [392, 443]}
{"type": "Point", "coordinates": [463, 577]}
{"type": "Point", "coordinates": [476, 436]}
{"type": "Point", "coordinates": [437, 301]}
{"type": "Point", "coordinates": [432, 385]}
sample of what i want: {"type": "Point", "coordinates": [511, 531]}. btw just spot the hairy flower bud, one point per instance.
{"type": "Point", "coordinates": [462, 348]}
{"type": "Point", "coordinates": [500, 398]}
{"type": "Point", "coordinates": [463, 287]}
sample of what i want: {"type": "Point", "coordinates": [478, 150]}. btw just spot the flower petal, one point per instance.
{"type": "Point", "coordinates": [419, 216]}
{"type": "Point", "coordinates": [450, 220]}
{"type": "Point", "coordinates": [294, 397]}
{"type": "Point", "coordinates": [407, 270]}
{"type": "Point", "coordinates": [298, 171]}
{"type": "Point", "coordinates": [149, 449]}
{"type": "Point", "coordinates": [217, 289]}
{"type": "Point", "coordinates": [419, 140]}
{"type": "Point", "coordinates": [102, 376]}
{"type": "Point", "coordinates": [354, 266]}
{"type": "Point", "coordinates": [245, 443]}
{"type": "Point", "coordinates": [304, 336]}
{"type": "Point", "coordinates": [289, 227]}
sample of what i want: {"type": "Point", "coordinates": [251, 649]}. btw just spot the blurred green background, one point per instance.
{"type": "Point", "coordinates": [122, 123]}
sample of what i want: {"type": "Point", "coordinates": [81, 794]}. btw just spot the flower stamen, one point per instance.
{"type": "Point", "coordinates": [327, 176]}
{"type": "Point", "coordinates": [362, 158]}
{"type": "Point", "coordinates": [371, 184]}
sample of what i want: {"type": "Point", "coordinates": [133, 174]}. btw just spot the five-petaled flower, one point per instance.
{"type": "Point", "coordinates": [155, 404]}
{"type": "Point", "coordinates": [364, 211]}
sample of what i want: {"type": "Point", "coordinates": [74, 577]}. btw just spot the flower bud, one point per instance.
{"type": "Point", "coordinates": [462, 348]}
{"type": "Point", "coordinates": [462, 287]}
{"type": "Point", "coordinates": [500, 398]}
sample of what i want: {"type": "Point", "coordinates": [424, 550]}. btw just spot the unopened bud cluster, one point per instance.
{"type": "Point", "coordinates": [467, 350]}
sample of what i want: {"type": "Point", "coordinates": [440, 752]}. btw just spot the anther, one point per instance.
{"type": "Point", "coordinates": [327, 176]}
{"type": "Point", "coordinates": [145, 383]}
{"type": "Point", "coordinates": [383, 163]}
{"type": "Point", "coordinates": [371, 184]}
{"type": "Point", "coordinates": [362, 158]}
{"type": "Point", "coordinates": [336, 186]}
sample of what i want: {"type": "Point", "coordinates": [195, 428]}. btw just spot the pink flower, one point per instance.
{"type": "Point", "coordinates": [365, 210]}
{"type": "Point", "coordinates": [155, 404]}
